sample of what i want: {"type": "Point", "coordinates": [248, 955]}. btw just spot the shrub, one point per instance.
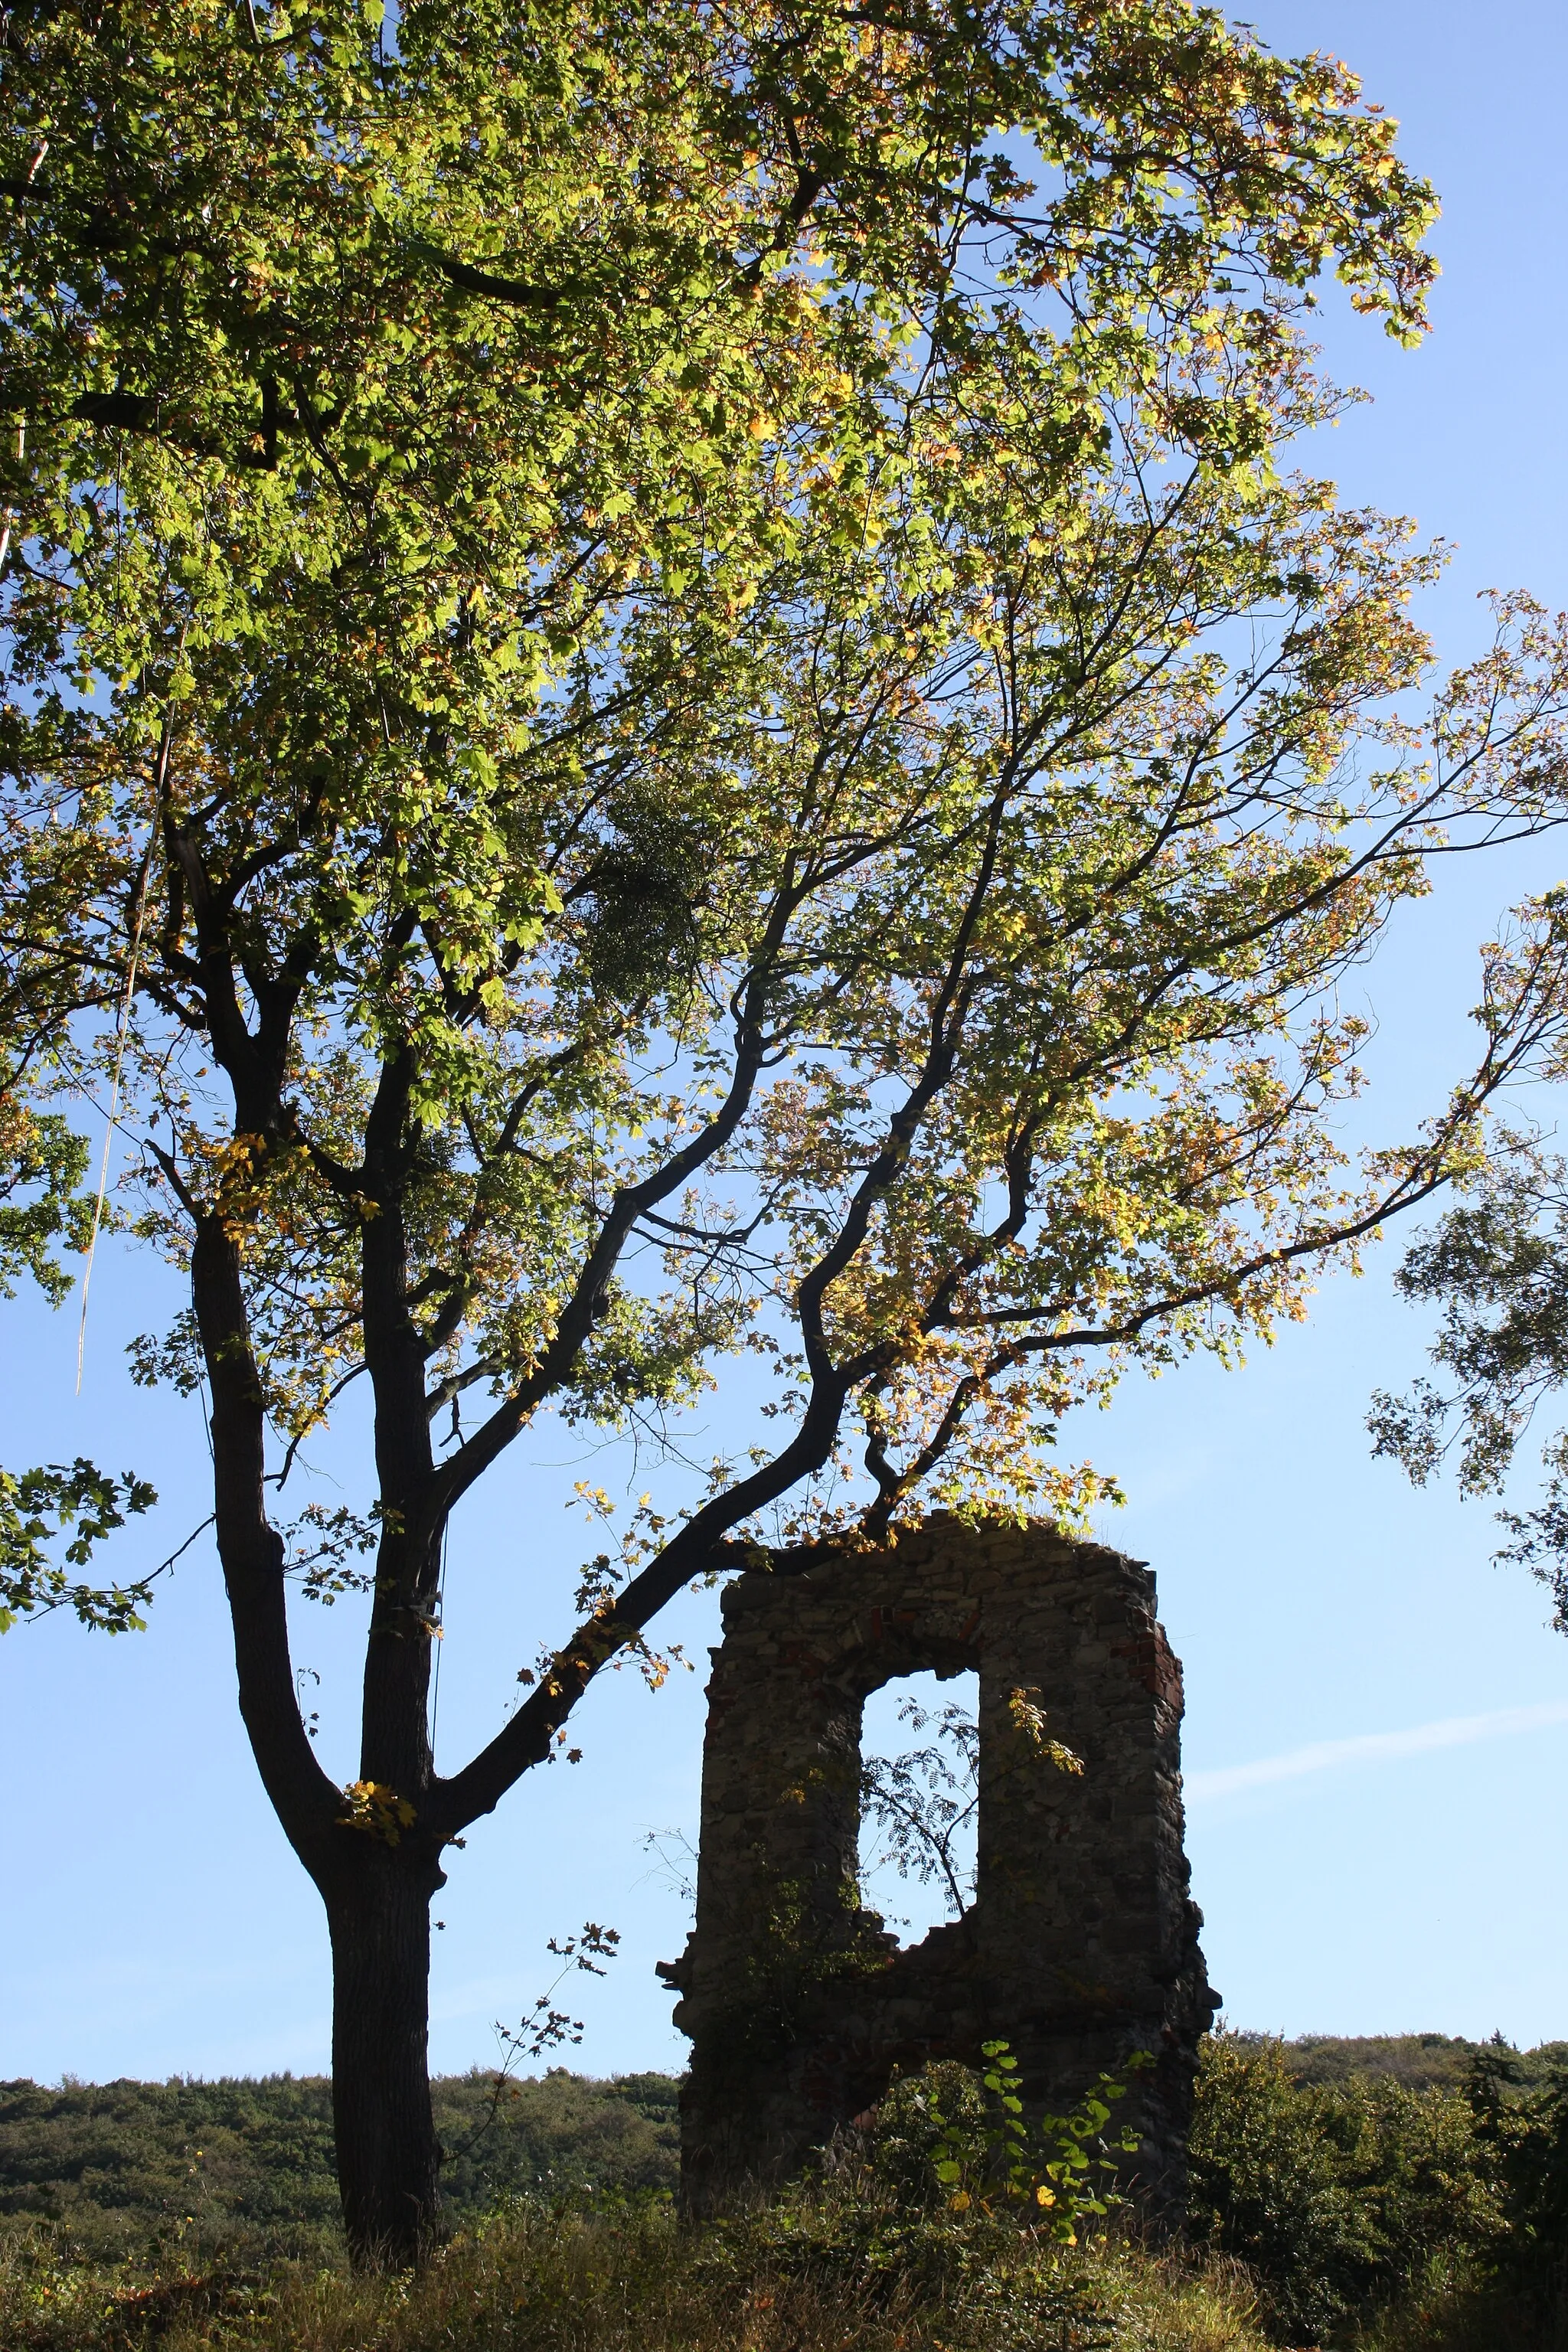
{"type": "Point", "coordinates": [1523, 2130]}
{"type": "Point", "coordinates": [952, 2201]}
{"type": "Point", "coordinates": [1340, 2197]}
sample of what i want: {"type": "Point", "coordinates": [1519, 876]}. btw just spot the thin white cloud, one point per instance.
{"type": "Point", "coordinates": [1373, 1747]}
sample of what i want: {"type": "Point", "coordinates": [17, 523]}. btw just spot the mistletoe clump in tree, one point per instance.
{"type": "Point", "coordinates": [665, 657]}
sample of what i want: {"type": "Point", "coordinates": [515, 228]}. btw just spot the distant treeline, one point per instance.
{"type": "Point", "coordinates": [123, 2163]}
{"type": "Point", "coordinates": [1422, 2062]}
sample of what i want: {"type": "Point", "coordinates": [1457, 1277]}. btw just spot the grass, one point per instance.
{"type": "Point", "coordinates": [537, 2278]}
{"type": "Point", "coordinates": [1479, 2318]}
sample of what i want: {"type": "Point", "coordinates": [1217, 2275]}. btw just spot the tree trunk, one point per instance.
{"type": "Point", "coordinates": [388, 2154]}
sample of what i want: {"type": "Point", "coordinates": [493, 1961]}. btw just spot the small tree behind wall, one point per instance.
{"type": "Point", "coordinates": [693, 719]}
{"type": "Point", "coordinates": [1495, 1264]}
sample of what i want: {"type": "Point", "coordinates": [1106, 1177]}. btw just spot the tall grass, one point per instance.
{"type": "Point", "coordinates": [543, 2279]}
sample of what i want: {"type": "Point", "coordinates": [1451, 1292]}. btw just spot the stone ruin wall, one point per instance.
{"type": "Point", "coordinates": [1081, 1944]}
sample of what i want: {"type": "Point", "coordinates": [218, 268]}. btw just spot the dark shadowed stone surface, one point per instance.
{"type": "Point", "coordinates": [1081, 1944]}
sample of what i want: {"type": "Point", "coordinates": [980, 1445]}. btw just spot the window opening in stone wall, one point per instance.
{"type": "Point", "coordinates": [919, 1744]}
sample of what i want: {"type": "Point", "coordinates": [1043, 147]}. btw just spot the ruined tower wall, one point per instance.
{"type": "Point", "coordinates": [1081, 1944]}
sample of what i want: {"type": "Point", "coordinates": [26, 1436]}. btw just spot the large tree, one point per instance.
{"type": "Point", "coordinates": [662, 658]}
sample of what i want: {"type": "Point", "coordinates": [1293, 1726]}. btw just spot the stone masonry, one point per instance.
{"type": "Point", "coordinates": [1081, 1944]}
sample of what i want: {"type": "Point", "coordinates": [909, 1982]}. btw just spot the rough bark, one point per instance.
{"type": "Point", "coordinates": [305, 1798]}
{"type": "Point", "coordinates": [387, 2153]}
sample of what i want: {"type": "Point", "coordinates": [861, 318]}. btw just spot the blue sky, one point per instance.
{"type": "Point", "coordinates": [1377, 1718]}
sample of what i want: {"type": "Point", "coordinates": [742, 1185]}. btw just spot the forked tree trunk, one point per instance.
{"type": "Point", "coordinates": [388, 2157]}
{"type": "Point", "coordinates": [377, 1890]}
